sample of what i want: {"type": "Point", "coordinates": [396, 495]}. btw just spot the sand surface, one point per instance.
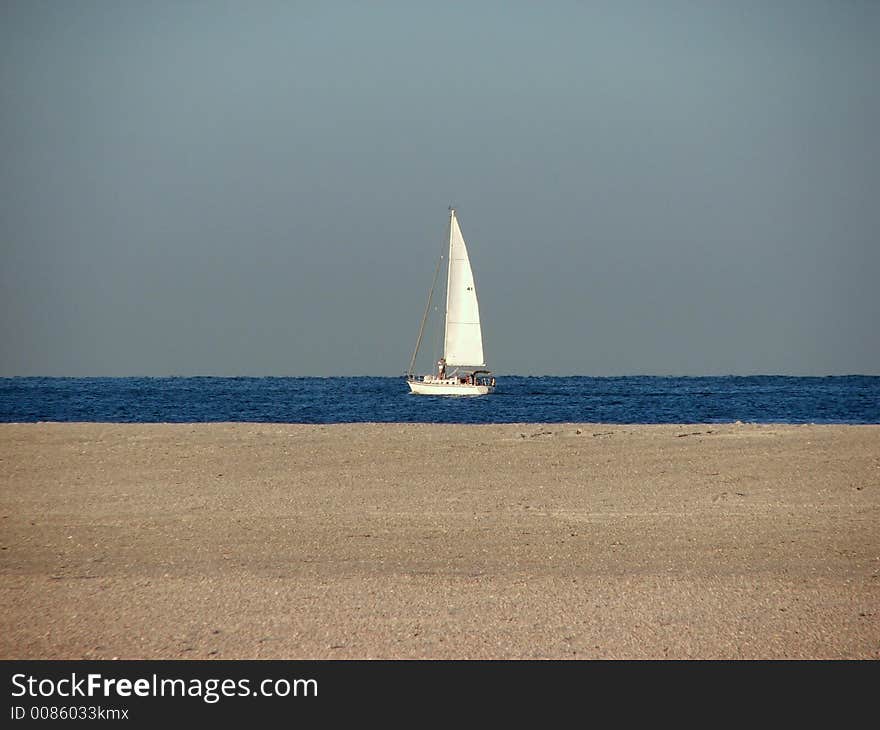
{"type": "Point", "coordinates": [241, 541]}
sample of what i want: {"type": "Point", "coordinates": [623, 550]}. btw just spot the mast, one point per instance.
{"type": "Point", "coordinates": [448, 279]}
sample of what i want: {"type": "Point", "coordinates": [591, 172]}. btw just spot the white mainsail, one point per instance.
{"type": "Point", "coordinates": [463, 344]}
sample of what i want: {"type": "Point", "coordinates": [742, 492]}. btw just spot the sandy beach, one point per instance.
{"type": "Point", "coordinates": [240, 541]}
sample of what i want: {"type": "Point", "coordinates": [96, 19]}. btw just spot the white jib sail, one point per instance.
{"type": "Point", "coordinates": [464, 339]}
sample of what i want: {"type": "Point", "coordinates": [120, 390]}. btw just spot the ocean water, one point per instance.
{"type": "Point", "coordinates": [761, 399]}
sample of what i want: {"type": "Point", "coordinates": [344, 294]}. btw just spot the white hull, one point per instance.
{"type": "Point", "coordinates": [420, 387]}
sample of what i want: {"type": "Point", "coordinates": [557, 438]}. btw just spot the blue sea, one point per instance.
{"type": "Point", "coordinates": [760, 399]}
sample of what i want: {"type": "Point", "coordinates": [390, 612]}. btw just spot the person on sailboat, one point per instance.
{"type": "Point", "coordinates": [441, 368]}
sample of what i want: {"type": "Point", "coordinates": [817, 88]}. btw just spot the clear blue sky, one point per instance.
{"type": "Point", "coordinates": [261, 188]}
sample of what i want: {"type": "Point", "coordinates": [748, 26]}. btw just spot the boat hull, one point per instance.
{"type": "Point", "coordinates": [419, 387]}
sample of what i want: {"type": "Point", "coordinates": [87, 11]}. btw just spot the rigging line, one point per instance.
{"type": "Point", "coordinates": [412, 362]}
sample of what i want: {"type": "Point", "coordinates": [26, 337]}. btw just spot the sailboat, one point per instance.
{"type": "Point", "coordinates": [461, 369]}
